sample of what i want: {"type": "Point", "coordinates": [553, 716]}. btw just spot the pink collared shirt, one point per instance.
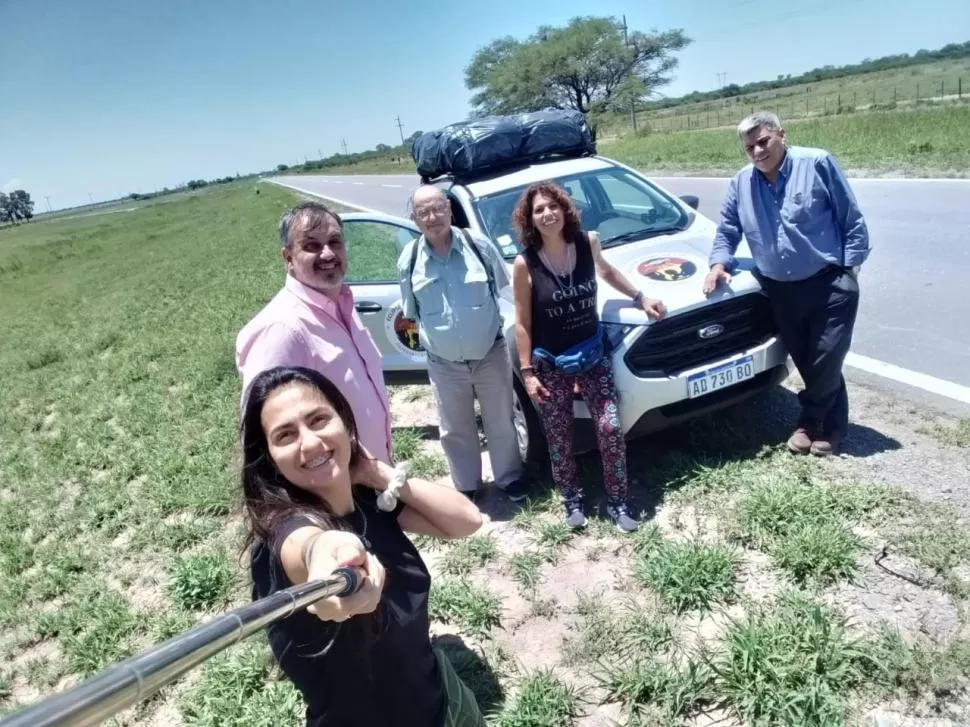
{"type": "Point", "coordinates": [303, 327]}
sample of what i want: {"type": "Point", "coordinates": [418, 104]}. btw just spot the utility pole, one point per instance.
{"type": "Point", "coordinates": [319, 153]}
{"type": "Point", "coordinates": [90, 198]}
{"type": "Point", "coordinates": [343, 143]}
{"type": "Point", "coordinates": [633, 102]}
{"type": "Point", "coordinates": [400, 128]}
{"type": "Point", "coordinates": [49, 210]}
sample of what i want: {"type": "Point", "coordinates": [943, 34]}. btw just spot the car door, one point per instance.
{"type": "Point", "coordinates": [374, 243]}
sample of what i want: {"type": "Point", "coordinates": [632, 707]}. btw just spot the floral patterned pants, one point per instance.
{"type": "Point", "coordinates": [599, 393]}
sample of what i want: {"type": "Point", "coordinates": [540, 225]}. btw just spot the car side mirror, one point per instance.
{"type": "Point", "coordinates": [691, 200]}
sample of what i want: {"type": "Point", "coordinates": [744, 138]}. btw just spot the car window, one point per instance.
{"type": "Point", "coordinates": [619, 205]}
{"type": "Point", "coordinates": [373, 249]}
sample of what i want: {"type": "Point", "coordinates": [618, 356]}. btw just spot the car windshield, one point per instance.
{"type": "Point", "coordinates": [619, 205]}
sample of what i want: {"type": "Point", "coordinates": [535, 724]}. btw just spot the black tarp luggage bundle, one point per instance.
{"type": "Point", "coordinates": [493, 142]}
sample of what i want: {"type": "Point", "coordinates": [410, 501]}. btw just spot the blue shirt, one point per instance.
{"type": "Point", "coordinates": [458, 317]}
{"type": "Point", "coordinates": [807, 220]}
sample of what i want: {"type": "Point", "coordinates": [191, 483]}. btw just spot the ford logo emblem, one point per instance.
{"type": "Point", "coordinates": [712, 331]}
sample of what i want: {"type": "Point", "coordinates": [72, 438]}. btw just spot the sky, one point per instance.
{"type": "Point", "coordinates": [102, 98]}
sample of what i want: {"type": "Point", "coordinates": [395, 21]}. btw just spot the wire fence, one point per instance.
{"type": "Point", "coordinates": [803, 102]}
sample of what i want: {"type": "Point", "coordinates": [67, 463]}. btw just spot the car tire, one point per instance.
{"type": "Point", "coordinates": [528, 429]}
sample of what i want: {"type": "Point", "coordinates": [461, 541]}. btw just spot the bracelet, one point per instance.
{"type": "Point", "coordinates": [638, 297]}
{"type": "Point", "coordinates": [387, 500]}
{"type": "Point", "coordinates": [308, 550]}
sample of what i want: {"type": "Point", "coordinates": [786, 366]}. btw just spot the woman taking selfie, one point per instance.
{"type": "Point", "coordinates": [561, 343]}
{"type": "Point", "coordinates": [316, 501]}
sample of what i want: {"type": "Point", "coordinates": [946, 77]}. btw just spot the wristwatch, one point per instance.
{"type": "Point", "coordinates": [638, 297]}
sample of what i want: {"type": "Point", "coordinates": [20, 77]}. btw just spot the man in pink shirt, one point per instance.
{"type": "Point", "coordinates": [312, 322]}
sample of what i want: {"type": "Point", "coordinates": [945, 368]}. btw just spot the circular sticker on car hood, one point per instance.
{"type": "Point", "coordinates": [667, 269]}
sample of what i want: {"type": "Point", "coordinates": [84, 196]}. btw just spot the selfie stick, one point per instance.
{"type": "Point", "coordinates": [130, 681]}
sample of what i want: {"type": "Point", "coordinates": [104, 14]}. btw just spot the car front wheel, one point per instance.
{"type": "Point", "coordinates": [528, 429]}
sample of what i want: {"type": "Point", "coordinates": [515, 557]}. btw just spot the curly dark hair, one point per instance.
{"type": "Point", "coordinates": [522, 214]}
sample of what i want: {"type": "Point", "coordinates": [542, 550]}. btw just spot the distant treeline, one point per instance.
{"type": "Point", "coordinates": [381, 151]}
{"type": "Point", "coordinates": [953, 50]}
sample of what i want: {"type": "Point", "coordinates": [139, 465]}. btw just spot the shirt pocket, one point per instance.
{"type": "Point", "coordinates": [474, 293]}
{"type": "Point", "coordinates": [428, 294]}
{"type": "Point", "coordinates": [802, 207]}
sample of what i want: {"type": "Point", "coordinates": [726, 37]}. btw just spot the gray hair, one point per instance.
{"type": "Point", "coordinates": [312, 215]}
{"type": "Point", "coordinates": [766, 119]}
{"type": "Point", "coordinates": [414, 192]}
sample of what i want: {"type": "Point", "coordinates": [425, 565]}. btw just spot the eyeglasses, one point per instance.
{"type": "Point", "coordinates": [439, 210]}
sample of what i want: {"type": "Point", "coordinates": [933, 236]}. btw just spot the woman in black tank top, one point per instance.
{"type": "Point", "coordinates": [315, 501]}
{"type": "Point", "coordinates": [555, 284]}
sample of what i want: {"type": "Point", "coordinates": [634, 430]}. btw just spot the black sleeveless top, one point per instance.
{"type": "Point", "coordinates": [563, 314]}
{"type": "Point", "coordinates": [384, 677]}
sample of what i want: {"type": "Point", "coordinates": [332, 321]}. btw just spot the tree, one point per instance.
{"type": "Point", "coordinates": [16, 207]}
{"type": "Point", "coordinates": [382, 148]}
{"type": "Point", "coordinates": [587, 65]}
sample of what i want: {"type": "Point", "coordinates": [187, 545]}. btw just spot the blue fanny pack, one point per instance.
{"type": "Point", "coordinates": [580, 358]}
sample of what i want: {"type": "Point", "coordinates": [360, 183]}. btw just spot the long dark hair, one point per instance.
{"type": "Point", "coordinates": [268, 496]}
{"type": "Point", "coordinates": [522, 214]}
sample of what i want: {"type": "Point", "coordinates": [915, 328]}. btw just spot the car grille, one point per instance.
{"type": "Point", "coordinates": [672, 345]}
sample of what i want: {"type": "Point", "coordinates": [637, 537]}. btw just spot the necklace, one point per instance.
{"type": "Point", "coordinates": [363, 519]}
{"type": "Point", "coordinates": [570, 268]}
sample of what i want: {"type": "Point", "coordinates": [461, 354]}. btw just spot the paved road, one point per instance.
{"type": "Point", "coordinates": [915, 308]}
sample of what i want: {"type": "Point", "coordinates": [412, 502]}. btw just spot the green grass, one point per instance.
{"type": "Point", "coordinates": [236, 690]}
{"type": "Point", "coordinates": [794, 664]}
{"type": "Point", "coordinates": [630, 631]}
{"type": "Point", "coordinates": [933, 140]}
{"type": "Point", "coordinates": [686, 575]}
{"type": "Point", "coordinates": [862, 91]}
{"type": "Point", "coordinates": [201, 581]}
{"type": "Point", "coordinates": [655, 692]}
{"type": "Point", "coordinates": [543, 700]}
{"type": "Point", "coordinates": [468, 555]}
{"type": "Point", "coordinates": [474, 610]}
{"type": "Point", "coordinates": [802, 526]}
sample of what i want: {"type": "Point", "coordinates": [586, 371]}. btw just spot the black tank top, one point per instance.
{"type": "Point", "coordinates": [389, 679]}
{"type": "Point", "coordinates": [563, 314]}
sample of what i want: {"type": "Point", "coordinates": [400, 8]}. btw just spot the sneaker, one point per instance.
{"type": "Point", "coordinates": [620, 514]}
{"type": "Point", "coordinates": [575, 517]}
{"type": "Point", "coordinates": [516, 491]}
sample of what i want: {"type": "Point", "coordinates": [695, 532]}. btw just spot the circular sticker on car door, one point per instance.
{"type": "Point", "coordinates": [402, 333]}
{"type": "Point", "coordinates": [667, 269]}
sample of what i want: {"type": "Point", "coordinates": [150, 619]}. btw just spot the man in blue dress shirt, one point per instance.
{"type": "Point", "coordinates": [808, 240]}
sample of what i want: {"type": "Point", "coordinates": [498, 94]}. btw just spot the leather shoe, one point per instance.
{"type": "Point", "coordinates": [800, 441]}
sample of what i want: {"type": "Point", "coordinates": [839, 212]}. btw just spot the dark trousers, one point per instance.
{"type": "Point", "coordinates": [815, 319]}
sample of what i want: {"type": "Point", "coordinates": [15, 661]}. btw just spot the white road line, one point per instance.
{"type": "Point", "coordinates": [912, 378]}
{"type": "Point", "coordinates": [915, 379]}
{"type": "Point", "coordinates": [390, 185]}
{"type": "Point", "coordinates": [332, 199]}
{"type": "Point", "coordinates": [360, 184]}
{"type": "Point", "coordinates": [337, 181]}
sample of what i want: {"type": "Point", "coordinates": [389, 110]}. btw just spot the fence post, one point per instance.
{"type": "Point", "coordinates": [854, 101]}
{"type": "Point", "coordinates": [942, 94]}
{"type": "Point", "coordinates": [917, 90]}
{"type": "Point", "coordinates": [960, 87]}
{"type": "Point", "coordinates": [894, 94]}
{"type": "Point", "coordinates": [873, 96]}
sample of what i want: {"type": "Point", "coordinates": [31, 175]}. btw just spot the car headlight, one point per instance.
{"type": "Point", "coordinates": [616, 332]}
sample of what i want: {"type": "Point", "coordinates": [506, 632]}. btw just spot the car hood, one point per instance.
{"type": "Point", "coordinates": [671, 268]}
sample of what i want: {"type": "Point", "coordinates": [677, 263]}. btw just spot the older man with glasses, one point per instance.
{"type": "Point", "coordinates": [450, 280]}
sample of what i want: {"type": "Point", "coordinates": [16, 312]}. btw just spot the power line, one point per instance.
{"type": "Point", "coordinates": [343, 143]}
{"type": "Point", "coordinates": [400, 128]}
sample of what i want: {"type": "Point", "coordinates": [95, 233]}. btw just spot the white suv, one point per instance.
{"type": "Point", "coordinates": [707, 352]}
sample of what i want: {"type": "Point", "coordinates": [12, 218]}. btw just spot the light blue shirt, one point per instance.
{"type": "Point", "coordinates": [458, 317]}
{"type": "Point", "coordinates": [807, 220]}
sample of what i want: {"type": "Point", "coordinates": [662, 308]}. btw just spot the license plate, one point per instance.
{"type": "Point", "coordinates": [720, 377]}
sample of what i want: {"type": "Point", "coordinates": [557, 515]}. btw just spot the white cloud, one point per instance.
{"type": "Point", "coordinates": [12, 185]}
